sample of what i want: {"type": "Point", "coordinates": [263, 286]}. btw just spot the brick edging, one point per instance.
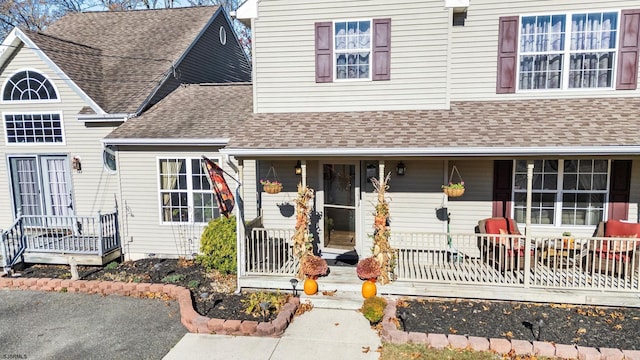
{"type": "Point", "coordinates": [191, 320]}
{"type": "Point", "coordinates": [390, 333]}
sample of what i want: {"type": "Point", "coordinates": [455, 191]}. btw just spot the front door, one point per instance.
{"type": "Point", "coordinates": [41, 185]}
{"type": "Point", "coordinates": [340, 186]}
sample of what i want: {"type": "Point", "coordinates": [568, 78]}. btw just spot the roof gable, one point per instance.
{"type": "Point", "coordinates": [118, 58]}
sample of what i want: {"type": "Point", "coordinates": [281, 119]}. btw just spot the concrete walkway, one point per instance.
{"type": "Point", "coordinates": [317, 334]}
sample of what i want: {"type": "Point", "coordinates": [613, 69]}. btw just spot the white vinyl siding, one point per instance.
{"type": "Point", "coordinates": [94, 189]}
{"type": "Point", "coordinates": [284, 34]}
{"type": "Point", "coordinates": [474, 48]}
{"type": "Point", "coordinates": [143, 231]}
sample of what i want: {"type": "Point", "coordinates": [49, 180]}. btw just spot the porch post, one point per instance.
{"type": "Point", "coordinates": [240, 228]}
{"type": "Point", "coordinates": [381, 171]}
{"type": "Point", "coordinates": [527, 227]}
{"type": "Point", "coordinates": [303, 164]}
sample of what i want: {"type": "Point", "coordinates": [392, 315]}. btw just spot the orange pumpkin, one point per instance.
{"type": "Point", "coordinates": [369, 289]}
{"type": "Point", "coordinates": [310, 286]}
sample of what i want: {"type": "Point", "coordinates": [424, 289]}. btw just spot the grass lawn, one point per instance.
{"type": "Point", "coordinates": [422, 352]}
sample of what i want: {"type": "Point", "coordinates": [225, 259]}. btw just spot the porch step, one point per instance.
{"type": "Point", "coordinates": [344, 300]}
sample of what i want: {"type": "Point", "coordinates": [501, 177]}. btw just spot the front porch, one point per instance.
{"type": "Point", "coordinates": [89, 240]}
{"type": "Point", "coordinates": [462, 265]}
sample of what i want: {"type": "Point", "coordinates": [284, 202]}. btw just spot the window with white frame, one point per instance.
{"type": "Point", "coordinates": [352, 53]}
{"type": "Point", "coordinates": [33, 128]}
{"type": "Point", "coordinates": [568, 51]}
{"type": "Point", "coordinates": [28, 86]}
{"type": "Point", "coordinates": [565, 192]}
{"type": "Point", "coordinates": [185, 193]}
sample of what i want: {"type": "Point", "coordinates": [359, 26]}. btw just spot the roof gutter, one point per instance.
{"type": "Point", "coordinates": [103, 117]}
{"type": "Point", "coordinates": [440, 151]}
{"type": "Point", "coordinates": [166, 142]}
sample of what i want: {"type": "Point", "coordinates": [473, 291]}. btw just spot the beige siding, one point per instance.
{"type": "Point", "coordinates": [474, 48]}
{"type": "Point", "coordinates": [249, 190]}
{"type": "Point", "coordinates": [142, 229]}
{"type": "Point", "coordinates": [283, 47]}
{"type": "Point", "coordinates": [94, 189]}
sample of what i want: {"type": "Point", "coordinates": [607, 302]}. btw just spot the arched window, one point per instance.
{"type": "Point", "coordinates": [29, 85]}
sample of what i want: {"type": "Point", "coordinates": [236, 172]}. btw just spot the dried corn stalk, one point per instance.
{"type": "Point", "coordinates": [382, 251]}
{"type": "Point", "coordinates": [302, 239]}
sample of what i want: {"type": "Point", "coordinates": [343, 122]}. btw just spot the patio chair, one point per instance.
{"type": "Point", "coordinates": [614, 257]}
{"type": "Point", "coordinates": [505, 252]}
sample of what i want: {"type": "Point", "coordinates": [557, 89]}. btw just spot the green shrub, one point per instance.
{"type": "Point", "coordinates": [193, 284]}
{"type": "Point", "coordinates": [218, 245]}
{"type": "Point", "coordinates": [373, 309]}
{"type": "Point", "coordinates": [112, 265]}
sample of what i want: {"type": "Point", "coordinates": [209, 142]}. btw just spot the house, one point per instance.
{"type": "Point", "coordinates": [63, 91]}
{"type": "Point", "coordinates": [438, 91]}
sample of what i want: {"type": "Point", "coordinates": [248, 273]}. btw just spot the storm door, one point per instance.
{"type": "Point", "coordinates": [340, 202]}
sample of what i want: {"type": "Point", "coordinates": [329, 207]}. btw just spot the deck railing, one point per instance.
{"type": "Point", "coordinates": [92, 235]}
{"type": "Point", "coordinates": [587, 263]}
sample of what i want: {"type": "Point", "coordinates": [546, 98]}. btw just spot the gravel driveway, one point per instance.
{"type": "Point", "coordinates": [50, 325]}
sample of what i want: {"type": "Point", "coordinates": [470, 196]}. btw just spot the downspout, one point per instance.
{"type": "Point", "coordinates": [240, 230]}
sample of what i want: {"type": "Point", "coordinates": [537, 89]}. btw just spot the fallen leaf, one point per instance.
{"type": "Point", "coordinates": [618, 327]}
{"type": "Point", "coordinates": [508, 334]}
{"type": "Point", "coordinates": [336, 324]}
{"type": "Point", "coordinates": [453, 331]}
{"type": "Point", "coordinates": [581, 331]}
{"type": "Point", "coordinates": [366, 349]}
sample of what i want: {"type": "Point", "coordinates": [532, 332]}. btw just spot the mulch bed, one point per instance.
{"type": "Point", "coordinates": [561, 324]}
{"type": "Point", "coordinates": [213, 294]}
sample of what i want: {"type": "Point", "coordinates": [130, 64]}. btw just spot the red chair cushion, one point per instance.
{"type": "Point", "coordinates": [493, 226]}
{"type": "Point", "coordinates": [614, 228]}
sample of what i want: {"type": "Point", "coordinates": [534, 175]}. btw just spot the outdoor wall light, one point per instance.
{"type": "Point", "coordinates": [76, 164]}
{"type": "Point", "coordinates": [371, 172]}
{"type": "Point", "coordinates": [298, 168]}
{"type": "Point", "coordinates": [294, 284]}
{"type": "Point", "coordinates": [400, 169]}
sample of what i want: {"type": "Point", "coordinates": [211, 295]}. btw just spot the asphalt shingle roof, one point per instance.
{"type": "Point", "coordinates": [226, 111]}
{"type": "Point", "coordinates": [193, 112]}
{"type": "Point", "coordinates": [118, 57]}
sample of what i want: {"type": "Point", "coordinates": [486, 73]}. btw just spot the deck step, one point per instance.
{"type": "Point", "coordinates": [344, 300]}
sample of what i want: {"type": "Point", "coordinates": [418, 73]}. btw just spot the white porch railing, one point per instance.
{"type": "Point", "coordinates": [598, 264]}
{"type": "Point", "coordinates": [269, 252]}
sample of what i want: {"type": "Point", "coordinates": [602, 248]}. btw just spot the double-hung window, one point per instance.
{"type": "Point", "coordinates": [352, 41]}
{"type": "Point", "coordinates": [568, 51]}
{"type": "Point", "coordinates": [565, 192]}
{"type": "Point", "coordinates": [185, 193]}
{"type": "Point", "coordinates": [564, 51]}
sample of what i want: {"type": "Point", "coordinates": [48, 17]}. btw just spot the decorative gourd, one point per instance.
{"type": "Point", "coordinates": [310, 287]}
{"type": "Point", "coordinates": [369, 289]}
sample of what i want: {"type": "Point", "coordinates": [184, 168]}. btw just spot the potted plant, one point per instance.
{"type": "Point", "coordinates": [312, 266]}
{"type": "Point", "coordinates": [454, 189]}
{"type": "Point", "coordinates": [567, 240]}
{"type": "Point", "coordinates": [271, 186]}
{"type": "Point", "coordinates": [368, 269]}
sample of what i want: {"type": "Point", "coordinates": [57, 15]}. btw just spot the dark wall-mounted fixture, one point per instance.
{"type": "Point", "coordinates": [371, 172]}
{"type": "Point", "coordinates": [298, 168]}
{"type": "Point", "coordinates": [76, 164]}
{"type": "Point", "coordinates": [401, 169]}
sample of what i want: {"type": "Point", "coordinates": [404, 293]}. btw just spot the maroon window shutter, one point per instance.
{"type": "Point", "coordinates": [502, 175]}
{"type": "Point", "coordinates": [507, 55]}
{"type": "Point", "coordinates": [628, 53]}
{"type": "Point", "coordinates": [381, 49]}
{"type": "Point", "coordinates": [324, 52]}
{"type": "Point", "coordinates": [619, 189]}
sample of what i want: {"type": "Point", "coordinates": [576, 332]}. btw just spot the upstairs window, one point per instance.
{"type": "Point", "coordinates": [29, 86]}
{"type": "Point", "coordinates": [33, 128]}
{"type": "Point", "coordinates": [583, 50]}
{"type": "Point", "coordinates": [352, 50]}
{"type": "Point", "coordinates": [568, 51]}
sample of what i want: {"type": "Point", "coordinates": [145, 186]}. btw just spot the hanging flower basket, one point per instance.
{"type": "Point", "coordinates": [453, 192]}
{"type": "Point", "coordinates": [454, 189]}
{"type": "Point", "coordinates": [272, 188]}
